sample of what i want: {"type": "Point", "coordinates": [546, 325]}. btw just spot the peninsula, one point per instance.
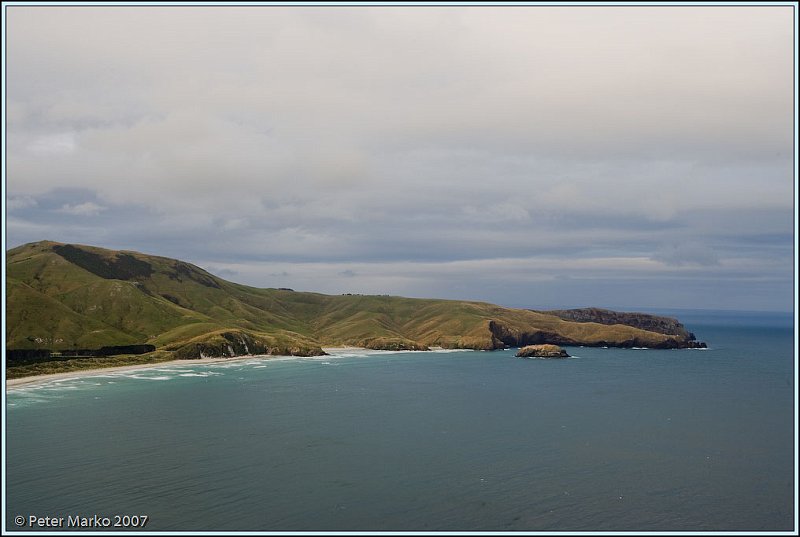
{"type": "Point", "coordinates": [69, 302]}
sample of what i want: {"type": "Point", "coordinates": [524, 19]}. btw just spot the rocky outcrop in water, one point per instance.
{"type": "Point", "coordinates": [542, 351]}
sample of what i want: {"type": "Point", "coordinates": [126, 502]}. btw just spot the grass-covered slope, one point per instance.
{"type": "Point", "coordinates": [72, 296]}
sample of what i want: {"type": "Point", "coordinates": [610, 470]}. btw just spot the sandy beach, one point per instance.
{"type": "Point", "coordinates": [34, 379]}
{"type": "Point", "coordinates": [27, 381]}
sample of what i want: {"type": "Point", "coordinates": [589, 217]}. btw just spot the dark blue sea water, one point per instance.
{"type": "Point", "coordinates": [609, 440]}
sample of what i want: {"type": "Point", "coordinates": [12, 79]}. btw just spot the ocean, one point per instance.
{"type": "Point", "coordinates": [607, 440]}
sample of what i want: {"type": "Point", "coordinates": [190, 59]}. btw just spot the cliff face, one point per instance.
{"type": "Point", "coordinates": [504, 336]}
{"type": "Point", "coordinates": [617, 335]}
{"type": "Point", "coordinates": [652, 323]}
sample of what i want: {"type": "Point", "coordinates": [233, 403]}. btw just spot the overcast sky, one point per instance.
{"type": "Point", "coordinates": [626, 157]}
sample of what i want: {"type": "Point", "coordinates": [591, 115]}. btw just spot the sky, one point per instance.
{"type": "Point", "coordinates": [530, 156]}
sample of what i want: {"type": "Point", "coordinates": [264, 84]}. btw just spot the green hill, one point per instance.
{"type": "Point", "coordinates": [66, 296]}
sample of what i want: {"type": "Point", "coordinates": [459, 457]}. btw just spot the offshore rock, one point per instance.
{"type": "Point", "coordinates": [542, 351]}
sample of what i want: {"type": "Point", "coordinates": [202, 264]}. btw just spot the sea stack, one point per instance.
{"type": "Point", "coordinates": [542, 351]}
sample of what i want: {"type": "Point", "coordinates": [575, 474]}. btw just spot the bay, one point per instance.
{"type": "Point", "coordinates": [607, 440]}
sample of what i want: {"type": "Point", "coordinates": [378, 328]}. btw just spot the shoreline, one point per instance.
{"type": "Point", "coordinates": [36, 379]}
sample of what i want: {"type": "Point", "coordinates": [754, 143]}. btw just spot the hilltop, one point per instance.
{"type": "Point", "coordinates": [67, 296]}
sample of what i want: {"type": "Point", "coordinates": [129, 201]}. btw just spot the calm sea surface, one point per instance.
{"type": "Point", "coordinates": [609, 440]}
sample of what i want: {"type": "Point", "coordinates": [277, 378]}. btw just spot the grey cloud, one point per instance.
{"type": "Point", "coordinates": [87, 208]}
{"type": "Point", "coordinates": [687, 254]}
{"type": "Point", "coordinates": [56, 144]}
{"type": "Point", "coordinates": [421, 135]}
{"type": "Point", "coordinates": [540, 281]}
{"type": "Point", "coordinates": [16, 203]}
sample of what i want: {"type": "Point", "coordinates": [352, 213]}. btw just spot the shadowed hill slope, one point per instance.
{"type": "Point", "coordinates": [63, 296]}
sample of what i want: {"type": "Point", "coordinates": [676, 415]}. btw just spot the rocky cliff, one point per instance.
{"type": "Point", "coordinates": [645, 321]}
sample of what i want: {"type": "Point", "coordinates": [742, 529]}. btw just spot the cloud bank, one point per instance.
{"type": "Point", "coordinates": [539, 156]}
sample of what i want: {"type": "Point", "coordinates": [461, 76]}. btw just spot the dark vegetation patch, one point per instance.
{"type": "Point", "coordinates": [173, 299]}
{"type": "Point", "coordinates": [182, 270]}
{"type": "Point", "coordinates": [141, 287]}
{"type": "Point", "coordinates": [30, 356]}
{"type": "Point", "coordinates": [120, 267]}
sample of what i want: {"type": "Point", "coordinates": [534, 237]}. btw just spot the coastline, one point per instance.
{"type": "Point", "coordinates": [35, 379]}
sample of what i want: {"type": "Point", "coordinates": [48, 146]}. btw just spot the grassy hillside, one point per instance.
{"type": "Point", "coordinates": [64, 296]}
